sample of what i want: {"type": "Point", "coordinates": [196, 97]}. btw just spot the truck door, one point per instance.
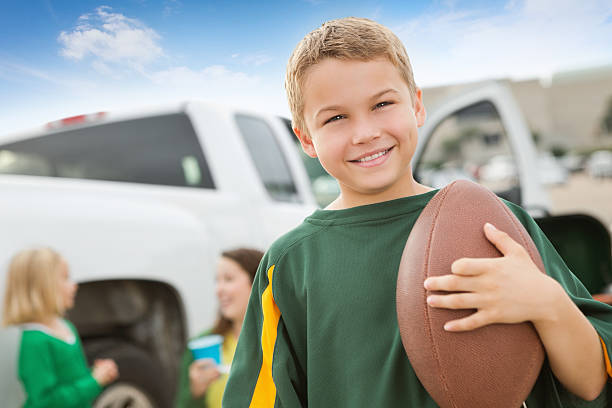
{"type": "Point", "coordinates": [275, 160]}
{"type": "Point", "coordinates": [481, 136]}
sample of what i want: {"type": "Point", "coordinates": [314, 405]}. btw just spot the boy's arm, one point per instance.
{"type": "Point", "coordinates": [264, 372]}
{"type": "Point", "coordinates": [511, 289]}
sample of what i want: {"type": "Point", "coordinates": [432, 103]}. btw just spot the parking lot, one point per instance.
{"type": "Point", "coordinates": [585, 195]}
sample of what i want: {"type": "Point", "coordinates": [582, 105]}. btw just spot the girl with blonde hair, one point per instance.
{"type": "Point", "coordinates": [51, 364]}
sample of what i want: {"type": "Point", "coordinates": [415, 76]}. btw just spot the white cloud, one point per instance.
{"type": "Point", "coordinates": [214, 75]}
{"type": "Point", "coordinates": [171, 7]}
{"type": "Point", "coordinates": [111, 38]}
{"type": "Point", "coordinates": [376, 14]}
{"type": "Point", "coordinates": [530, 38]}
{"type": "Point", "coordinates": [18, 72]}
{"type": "Point", "coordinates": [252, 59]}
{"type": "Point", "coordinates": [256, 59]}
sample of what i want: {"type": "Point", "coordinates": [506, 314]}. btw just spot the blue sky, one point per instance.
{"type": "Point", "coordinates": [61, 58]}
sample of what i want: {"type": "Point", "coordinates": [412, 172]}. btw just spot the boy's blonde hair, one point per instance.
{"type": "Point", "coordinates": [32, 290]}
{"type": "Point", "coordinates": [348, 38]}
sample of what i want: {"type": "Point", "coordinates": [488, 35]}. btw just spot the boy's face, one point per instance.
{"type": "Point", "coordinates": [362, 125]}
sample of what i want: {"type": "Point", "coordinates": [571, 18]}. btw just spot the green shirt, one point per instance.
{"type": "Point", "coordinates": [321, 326]}
{"type": "Point", "coordinates": [54, 372]}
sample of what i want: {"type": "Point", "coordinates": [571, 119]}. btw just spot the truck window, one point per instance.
{"type": "Point", "coordinates": [155, 150]}
{"type": "Point", "coordinates": [324, 187]}
{"type": "Point", "coordinates": [471, 144]}
{"type": "Point", "coordinates": [268, 158]}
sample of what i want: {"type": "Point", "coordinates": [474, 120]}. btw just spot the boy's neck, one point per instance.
{"type": "Point", "coordinates": [349, 198]}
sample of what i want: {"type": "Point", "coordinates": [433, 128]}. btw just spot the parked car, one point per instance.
{"type": "Point", "coordinates": [550, 171]}
{"type": "Point", "coordinates": [499, 168]}
{"type": "Point", "coordinates": [599, 164]}
{"type": "Point", "coordinates": [438, 178]}
{"type": "Point", "coordinates": [573, 162]}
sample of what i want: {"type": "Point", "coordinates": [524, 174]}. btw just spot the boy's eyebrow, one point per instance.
{"type": "Point", "coordinates": [381, 93]}
{"type": "Point", "coordinates": [326, 109]}
{"type": "Point", "coordinates": [337, 107]}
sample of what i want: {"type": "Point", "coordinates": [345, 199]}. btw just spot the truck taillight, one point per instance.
{"type": "Point", "coordinates": [74, 120]}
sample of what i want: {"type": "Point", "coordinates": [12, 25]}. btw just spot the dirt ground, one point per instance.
{"type": "Point", "coordinates": [585, 195]}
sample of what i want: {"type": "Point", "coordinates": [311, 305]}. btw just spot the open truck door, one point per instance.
{"type": "Point", "coordinates": [482, 136]}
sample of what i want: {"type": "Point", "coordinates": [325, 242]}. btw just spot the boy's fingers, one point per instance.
{"type": "Point", "coordinates": [500, 239]}
{"type": "Point", "coordinates": [472, 266]}
{"type": "Point", "coordinates": [473, 321]}
{"type": "Point", "coordinates": [451, 283]}
{"type": "Point", "coordinates": [455, 301]}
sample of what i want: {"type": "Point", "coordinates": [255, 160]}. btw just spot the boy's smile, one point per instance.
{"type": "Point", "coordinates": [362, 124]}
{"type": "Point", "coordinates": [372, 159]}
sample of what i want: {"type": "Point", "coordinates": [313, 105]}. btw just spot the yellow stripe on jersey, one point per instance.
{"type": "Point", "coordinates": [265, 390]}
{"type": "Point", "coordinates": [606, 357]}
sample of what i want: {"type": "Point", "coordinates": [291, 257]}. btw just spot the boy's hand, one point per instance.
{"type": "Point", "coordinates": [509, 289]}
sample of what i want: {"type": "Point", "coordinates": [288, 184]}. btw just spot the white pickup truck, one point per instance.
{"type": "Point", "coordinates": [141, 205]}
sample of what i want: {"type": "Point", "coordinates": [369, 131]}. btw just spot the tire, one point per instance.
{"type": "Point", "coordinates": [123, 395]}
{"type": "Point", "coordinates": [141, 383]}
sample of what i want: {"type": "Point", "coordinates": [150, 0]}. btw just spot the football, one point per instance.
{"type": "Point", "coordinates": [493, 366]}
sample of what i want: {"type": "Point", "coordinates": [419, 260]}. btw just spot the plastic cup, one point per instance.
{"type": "Point", "coordinates": [207, 347]}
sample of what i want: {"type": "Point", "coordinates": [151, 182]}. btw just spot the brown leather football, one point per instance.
{"type": "Point", "coordinates": [493, 366]}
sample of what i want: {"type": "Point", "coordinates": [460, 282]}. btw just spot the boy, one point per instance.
{"type": "Point", "coordinates": [321, 327]}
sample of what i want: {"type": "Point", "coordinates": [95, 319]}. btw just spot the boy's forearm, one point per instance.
{"type": "Point", "coordinates": [573, 347]}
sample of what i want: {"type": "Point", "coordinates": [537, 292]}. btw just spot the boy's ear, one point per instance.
{"type": "Point", "coordinates": [306, 142]}
{"type": "Point", "coordinates": [420, 113]}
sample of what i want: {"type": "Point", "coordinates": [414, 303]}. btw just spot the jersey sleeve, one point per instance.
{"type": "Point", "coordinates": [41, 383]}
{"type": "Point", "coordinates": [265, 370]}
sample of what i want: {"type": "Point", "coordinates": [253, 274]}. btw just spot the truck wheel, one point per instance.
{"type": "Point", "coordinates": [123, 395]}
{"type": "Point", "coordinates": [141, 382]}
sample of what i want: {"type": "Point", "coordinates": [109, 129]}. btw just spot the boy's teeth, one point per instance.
{"type": "Point", "coordinates": [372, 157]}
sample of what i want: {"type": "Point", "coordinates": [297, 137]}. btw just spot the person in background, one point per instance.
{"type": "Point", "coordinates": [201, 384]}
{"type": "Point", "coordinates": [51, 363]}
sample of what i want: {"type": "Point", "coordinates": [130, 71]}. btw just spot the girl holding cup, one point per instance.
{"type": "Point", "coordinates": [201, 382]}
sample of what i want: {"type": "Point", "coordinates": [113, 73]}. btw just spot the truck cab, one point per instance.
{"type": "Point", "coordinates": [141, 204]}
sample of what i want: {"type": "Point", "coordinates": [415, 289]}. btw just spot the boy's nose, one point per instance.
{"type": "Point", "coordinates": [365, 132]}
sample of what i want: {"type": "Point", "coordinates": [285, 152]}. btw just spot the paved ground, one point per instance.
{"type": "Point", "coordinates": [585, 195]}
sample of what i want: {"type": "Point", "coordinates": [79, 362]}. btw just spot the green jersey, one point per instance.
{"type": "Point", "coordinates": [321, 326]}
{"type": "Point", "coordinates": [54, 372]}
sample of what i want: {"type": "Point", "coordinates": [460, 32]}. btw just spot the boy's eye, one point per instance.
{"type": "Point", "coordinates": [333, 119]}
{"type": "Point", "coordinates": [381, 104]}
